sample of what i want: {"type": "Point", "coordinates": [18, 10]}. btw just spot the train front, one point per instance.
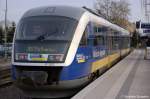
{"type": "Point", "coordinates": [40, 51]}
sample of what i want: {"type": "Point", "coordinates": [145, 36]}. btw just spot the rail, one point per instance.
{"type": "Point", "coordinates": [5, 77]}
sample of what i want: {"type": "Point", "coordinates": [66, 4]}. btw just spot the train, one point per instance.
{"type": "Point", "coordinates": [143, 29]}
{"type": "Point", "coordinates": [58, 50]}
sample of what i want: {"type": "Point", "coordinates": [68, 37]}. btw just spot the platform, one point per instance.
{"type": "Point", "coordinates": [128, 79]}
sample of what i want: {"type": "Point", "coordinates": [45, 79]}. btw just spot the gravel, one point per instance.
{"type": "Point", "coordinates": [11, 92]}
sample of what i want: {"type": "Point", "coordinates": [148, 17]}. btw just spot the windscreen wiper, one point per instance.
{"type": "Point", "coordinates": [44, 36]}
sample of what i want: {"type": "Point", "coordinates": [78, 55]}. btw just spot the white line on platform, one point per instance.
{"type": "Point", "coordinates": [119, 83]}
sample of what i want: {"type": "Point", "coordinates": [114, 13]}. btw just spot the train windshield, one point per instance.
{"type": "Point", "coordinates": [44, 39]}
{"type": "Point", "coordinates": [46, 28]}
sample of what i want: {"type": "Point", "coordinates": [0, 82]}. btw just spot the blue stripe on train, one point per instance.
{"type": "Point", "coordinates": [77, 69]}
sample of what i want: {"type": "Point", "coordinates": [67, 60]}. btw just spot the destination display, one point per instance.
{"type": "Point", "coordinates": [36, 51]}
{"type": "Point", "coordinates": [39, 57]}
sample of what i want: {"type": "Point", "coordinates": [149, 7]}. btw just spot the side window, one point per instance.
{"type": "Point", "coordinates": [115, 40]}
{"type": "Point", "coordinates": [95, 36]}
{"type": "Point", "coordinates": [99, 40]}
{"type": "Point", "coordinates": [83, 41]}
{"type": "Point", "coordinates": [95, 41]}
{"type": "Point", "coordinates": [99, 32]}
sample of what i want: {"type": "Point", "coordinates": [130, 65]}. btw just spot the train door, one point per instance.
{"type": "Point", "coordinates": [99, 48]}
{"type": "Point", "coordinates": [99, 41]}
{"type": "Point", "coordinates": [119, 42]}
{"type": "Point", "coordinates": [84, 49]}
{"type": "Point", "coordinates": [115, 45]}
{"type": "Point", "coordinates": [109, 46]}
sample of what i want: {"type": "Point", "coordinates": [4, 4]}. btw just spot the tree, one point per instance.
{"type": "Point", "coordinates": [103, 7]}
{"type": "Point", "coordinates": [135, 39]}
{"type": "Point", "coordinates": [1, 34]}
{"type": "Point", "coordinates": [115, 11]}
{"type": "Point", "coordinates": [13, 26]}
{"type": "Point", "coordinates": [10, 32]}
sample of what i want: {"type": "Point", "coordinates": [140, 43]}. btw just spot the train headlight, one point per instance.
{"type": "Point", "coordinates": [21, 56]}
{"type": "Point", "coordinates": [57, 57]}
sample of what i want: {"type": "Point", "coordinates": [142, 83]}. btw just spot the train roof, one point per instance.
{"type": "Point", "coordinates": [104, 22]}
{"type": "Point", "coordinates": [67, 11]}
{"type": "Point", "coordinates": [71, 12]}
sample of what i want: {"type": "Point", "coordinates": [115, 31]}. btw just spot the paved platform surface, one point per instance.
{"type": "Point", "coordinates": [128, 79]}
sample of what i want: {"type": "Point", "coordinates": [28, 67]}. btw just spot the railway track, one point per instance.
{"type": "Point", "coordinates": [5, 77]}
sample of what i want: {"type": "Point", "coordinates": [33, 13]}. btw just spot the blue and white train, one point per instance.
{"type": "Point", "coordinates": [58, 49]}
{"type": "Point", "coordinates": [143, 29]}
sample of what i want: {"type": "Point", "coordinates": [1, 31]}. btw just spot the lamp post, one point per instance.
{"type": "Point", "coordinates": [5, 31]}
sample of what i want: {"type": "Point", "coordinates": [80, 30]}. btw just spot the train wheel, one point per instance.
{"type": "Point", "coordinates": [94, 75]}
{"type": "Point", "coordinates": [97, 73]}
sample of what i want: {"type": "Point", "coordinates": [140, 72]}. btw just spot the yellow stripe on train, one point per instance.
{"type": "Point", "coordinates": [125, 51]}
{"type": "Point", "coordinates": [107, 61]}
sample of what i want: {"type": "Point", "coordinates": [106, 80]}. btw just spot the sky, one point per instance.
{"type": "Point", "coordinates": [16, 8]}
